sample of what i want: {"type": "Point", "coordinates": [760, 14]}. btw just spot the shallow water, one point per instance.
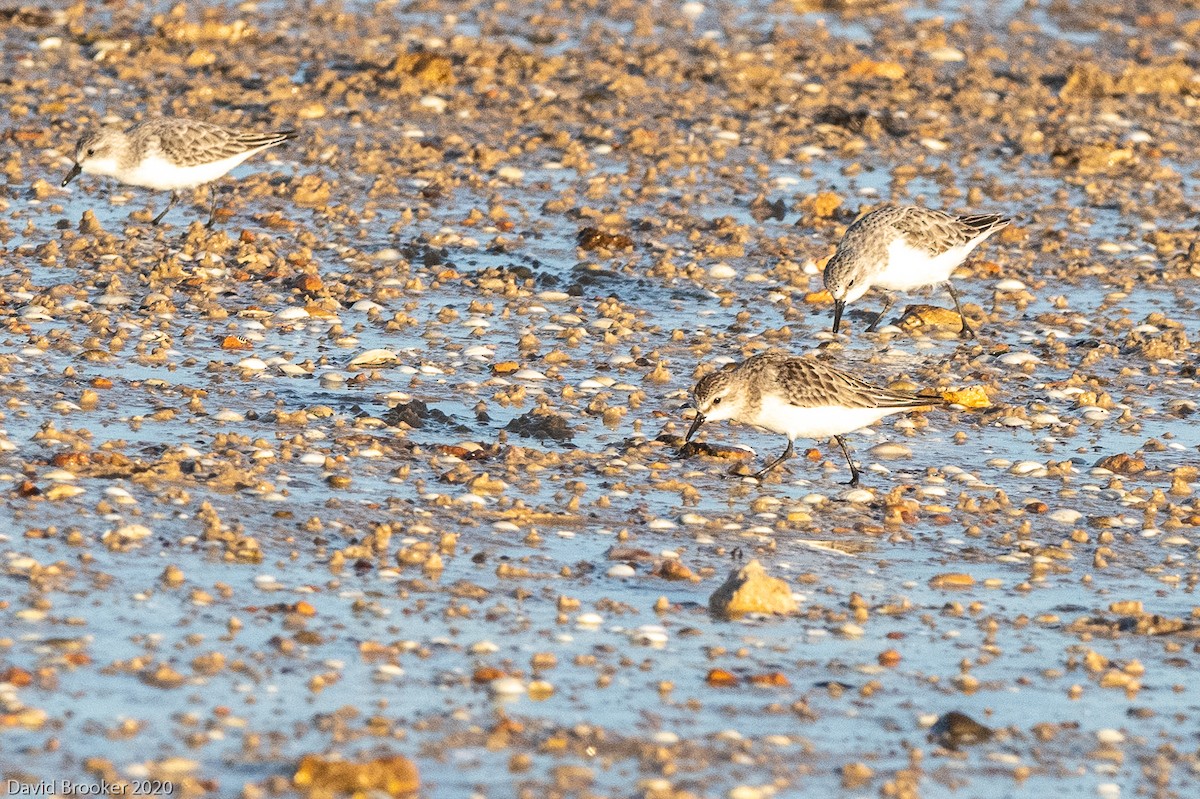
{"type": "Point", "coordinates": [630, 700]}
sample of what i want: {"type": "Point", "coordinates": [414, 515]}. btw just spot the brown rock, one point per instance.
{"type": "Point", "coordinates": [591, 238]}
{"type": "Point", "coordinates": [954, 730]}
{"type": "Point", "coordinates": [856, 775]}
{"type": "Point", "coordinates": [1092, 159]}
{"type": "Point", "coordinates": [671, 569]}
{"type": "Point", "coordinates": [1122, 463]}
{"type": "Point", "coordinates": [1088, 80]}
{"type": "Point", "coordinates": [311, 190]}
{"type": "Point", "coordinates": [970, 397]}
{"type": "Point", "coordinates": [823, 205]}
{"type": "Point", "coordinates": [391, 776]}
{"type": "Point", "coordinates": [928, 318]}
{"type": "Point", "coordinates": [541, 425]}
{"type": "Point", "coordinates": [699, 448]}
{"type": "Point", "coordinates": [427, 68]}
{"type": "Point", "coordinates": [889, 70]}
{"type": "Point", "coordinates": [751, 590]}
{"type": "Point", "coordinates": [162, 676]}
{"type": "Point", "coordinates": [89, 224]}
{"type": "Point", "coordinates": [307, 283]}
{"type": "Point", "coordinates": [951, 580]}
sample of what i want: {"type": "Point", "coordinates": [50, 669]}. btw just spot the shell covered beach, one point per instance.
{"type": "Point", "coordinates": [377, 484]}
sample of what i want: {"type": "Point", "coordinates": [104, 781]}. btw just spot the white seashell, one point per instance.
{"type": "Point", "coordinates": [506, 687]}
{"type": "Point", "coordinates": [376, 357]}
{"type": "Point", "coordinates": [650, 635]}
{"type": "Point", "coordinates": [435, 104]}
{"type": "Point", "coordinates": [252, 364]}
{"type": "Point", "coordinates": [1009, 284]}
{"type": "Point", "coordinates": [946, 54]}
{"type": "Point", "coordinates": [291, 314]}
{"type": "Point", "coordinates": [890, 450]}
{"type": "Point", "coordinates": [132, 532]}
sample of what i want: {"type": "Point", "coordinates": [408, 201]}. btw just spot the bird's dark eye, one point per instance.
{"type": "Point", "coordinates": [91, 151]}
{"type": "Point", "coordinates": [717, 401]}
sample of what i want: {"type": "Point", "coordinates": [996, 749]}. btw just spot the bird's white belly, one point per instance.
{"type": "Point", "coordinates": [820, 422]}
{"type": "Point", "coordinates": [910, 268]}
{"type": "Point", "coordinates": [156, 172]}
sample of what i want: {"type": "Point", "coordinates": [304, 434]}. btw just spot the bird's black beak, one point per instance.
{"type": "Point", "coordinates": [74, 173]}
{"type": "Point", "coordinates": [838, 307]}
{"type": "Point", "coordinates": [699, 420]}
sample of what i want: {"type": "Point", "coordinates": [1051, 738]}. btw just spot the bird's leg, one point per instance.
{"type": "Point", "coordinates": [170, 203]}
{"type": "Point", "coordinates": [212, 208]}
{"type": "Point", "coordinates": [966, 331]}
{"type": "Point", "coordinates": [850, 461]}
{"type": "Point", "coordinates": [787, 453]}
{"type": "Point", "coordinates": [888, 299]}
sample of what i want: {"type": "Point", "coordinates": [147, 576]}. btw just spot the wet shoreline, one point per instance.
{"type": "Point", "coordinates": [229, 544]}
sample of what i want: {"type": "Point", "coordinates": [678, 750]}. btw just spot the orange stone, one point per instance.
{"type": "Point", "coordinates": [485, 674]}
{"type": "Point", "coordinates": [719, 678]}
{"type": "Point", "coordinates": [772, 679]}
{"type": "Point", "coordinates": [236, 343]}
{"type": "Point", "coordinates": [951, 580]}
{"type": "Point", "coordinates": [889, 658]}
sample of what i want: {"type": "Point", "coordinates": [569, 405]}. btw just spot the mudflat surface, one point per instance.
{"type": "Point", "coordinates": [386, 464]}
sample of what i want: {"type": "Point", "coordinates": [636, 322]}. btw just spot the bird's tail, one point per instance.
{"type": "Point", "coordinates": [888, 398]}
{"type": "Point", "coordinates": [985, 224]}
{"type": "Point", "coordinates": [257, 141]}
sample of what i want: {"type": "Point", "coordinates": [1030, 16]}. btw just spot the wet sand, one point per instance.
{"type": "Point", "coordinates": [386, 465]}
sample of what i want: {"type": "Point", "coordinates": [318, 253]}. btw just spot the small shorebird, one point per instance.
{"type": "Point", "coordinates": [799, 397]}
{"type": "Point", "coordinates": [900, 248]}
{"type": "Point", "coordinates": [168, 154]}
